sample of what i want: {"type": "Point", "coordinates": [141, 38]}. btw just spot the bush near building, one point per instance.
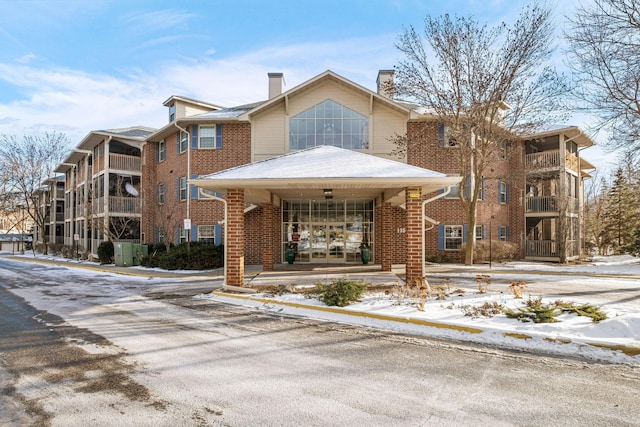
{"type": "Point", "coordinates": [187, 256]}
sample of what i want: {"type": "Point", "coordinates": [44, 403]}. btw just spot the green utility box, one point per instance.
{"type": "Point", "coordinates": [139, 251]}
{"type": "Point", "coordinates": [123, 253]}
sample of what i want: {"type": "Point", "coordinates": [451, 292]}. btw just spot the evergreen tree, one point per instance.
{"type": "Point", "coordinates": [621, 212]}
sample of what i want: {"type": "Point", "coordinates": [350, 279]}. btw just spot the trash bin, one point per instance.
{"type": "Point", "coordinates": [123, 254]}
{"type": "Point", "coordinates": [139, 251]}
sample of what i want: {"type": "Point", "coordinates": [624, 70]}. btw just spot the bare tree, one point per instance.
{"type": "Point", "coordinates": [26, 165]}
{"type": "Point", "coordinates": [486, 85]}
{"type": "Point", "coordinates": [604, 54]}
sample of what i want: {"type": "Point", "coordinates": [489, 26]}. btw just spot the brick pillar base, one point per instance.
{"type": "Point", "coordinates": [235, 237]}
{"type": "Point", "coordinates": [387, 236]}
{"type": "Point", "coordinates": [414, 234]}
{"type": "Point", "coordinates": [268, 213]}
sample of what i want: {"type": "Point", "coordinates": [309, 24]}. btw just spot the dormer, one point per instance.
{"type": "Point", "coordinates": [181, 107]}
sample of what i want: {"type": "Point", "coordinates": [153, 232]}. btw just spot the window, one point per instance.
{"type": "Point", "coordinates": [453, 193]}
{"type": "Point", "coordinates": [183, 188]}
{"type": "Point", "coordinates": [503, 150]}
{"type": "Point", "coordinates": [183, 235]}
{"type": "Point", "coordinates": [452, 237]}
{"type": "Point", "coordinates": [208, 137]}
{"type": "Point", "coordinates": [503, 233]}
{"type": "Point", "coordinates": [479, 232]}
{"type": "Point", "coordinates": [503, 192]}
{"type": "Point", "coordinates": [184, 141]}
{"type": "Point", "coordinates": [172, 112]}
{"type": "Point", "coordinates": [207, 234]}
{"type": "Point", "coordinates": [162, 151]}
{"type": "Point", "coordinates": [444, 136]}
{"type": "Point", "coordinates": [329, 123]}
{"type": "Point", "coordinates": [162, 193]}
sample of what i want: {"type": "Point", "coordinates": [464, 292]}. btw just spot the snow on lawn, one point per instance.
{"type": "Point", "coordinates": [615, 339]}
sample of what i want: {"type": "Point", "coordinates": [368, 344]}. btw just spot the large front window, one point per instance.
{"type": "Point", "coordinates": [329, 123]}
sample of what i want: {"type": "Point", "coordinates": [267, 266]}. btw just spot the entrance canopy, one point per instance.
{"type": "Point", "coordinates": [309, 173]}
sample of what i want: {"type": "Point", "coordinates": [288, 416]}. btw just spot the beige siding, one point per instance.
{"type": "Point", "coordinates": [270, 127]}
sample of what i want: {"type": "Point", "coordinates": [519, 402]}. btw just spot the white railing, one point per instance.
{"type": "Point", "coordinates": [124, 204]}
{"type": "Point", "coordinates": [124, 162]}
{"type": "Point", "coordinates": [543, 160]}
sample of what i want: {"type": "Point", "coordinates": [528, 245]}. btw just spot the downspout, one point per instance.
{"type": "Point", "coordinates": [188, 176]}
{"type": "Point", "coordinates": [433, 222]}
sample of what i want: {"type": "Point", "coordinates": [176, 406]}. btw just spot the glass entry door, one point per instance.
{"type": "Point", "coordinates": [327, 243]}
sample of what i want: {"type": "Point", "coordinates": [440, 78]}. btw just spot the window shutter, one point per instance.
{"type": "Point", "coordinates": [508, 189]}
{"type": "Point", "coordinates": [194, 137]}
{"type": "Point", "coordinates": [177, 142]}
{"type": "Point", "coordinates": [441, 134]}
{"type": "Point", "coordinates": [157, 234]}
{"type": "Point", "coordinates": [194, 188]}
{"type": "Point", "coordinates": [158, 152]}
{"type": "Point", "coordinates": [194, 233]}
{"type": "Point", "coordinates": [484, 189]}
{"type": "Point", "coordinates": [218, 234]}
{"type": "Point", "coordinates": [178, 189]}
{"type": "Point", "coordinates": [484, 232]}
{"type": "Point", "coordinates": [218, 136]}
{"type": "Point", "coordinates": [441, 237]}
{"type": "Point", "coordinates": [507, 233]}
{"type": "Point", "coordinates": [464, 232]}
{"type": "Point", "coordinates": [177, 235]}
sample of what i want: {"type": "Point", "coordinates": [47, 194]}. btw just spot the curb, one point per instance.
{"type": "Point", "coordinates": [631, 351]}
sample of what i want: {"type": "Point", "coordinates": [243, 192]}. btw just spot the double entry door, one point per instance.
{"type": "Point", "coordinates": [327, 243]}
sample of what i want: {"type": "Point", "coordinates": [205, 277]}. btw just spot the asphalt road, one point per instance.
{"type": "Point", "coordinates": [105, 350]}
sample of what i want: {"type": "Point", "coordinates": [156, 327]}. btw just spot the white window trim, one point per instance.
{"type": "Point", "coordinates": [184, 141]}
{"type": "Point", "coordinates": [212, 236]}
{"type": "Point", "coordinates": [216, 143]}
{"type": "Point", "coordinates": [183, 188]}
{"type": "Point", "coordinates": [162, 151]}
{"type": "Point", "coordinates": [162, 193]}
{"type": "Point", "coordinates": [460, 229]}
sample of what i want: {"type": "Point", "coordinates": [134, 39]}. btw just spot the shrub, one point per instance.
{"type": "Point", "coordinates": [437, 258]}
{"type": "Point", "coordinates": [500, 250]}
{"type": "Point", "coordinates": [341, 292]}
{"type": "Point", "coordinates": [105, 252]}
{"type": "Point", "coordinates": [186, 256]}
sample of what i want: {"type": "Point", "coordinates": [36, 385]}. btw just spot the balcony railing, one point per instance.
{"type": "Point", "coordinates": [124, 204]}
{"type": "Point", "coordinates": [543, 160]}
{"type": "Point", "coordinates": [549, 248]}
{"type": "Point", "coordinates": [124, 162]}
{"type": "Point", "coordinates": [550, 204]}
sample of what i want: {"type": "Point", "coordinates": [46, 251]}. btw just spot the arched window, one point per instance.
{"type": "Point", "coordinates": [329, 123]}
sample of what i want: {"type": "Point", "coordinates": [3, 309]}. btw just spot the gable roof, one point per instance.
{"type": "Point", "coordinates": [346, 172]}
{"type": "Point", "coordinates": [329, 75]}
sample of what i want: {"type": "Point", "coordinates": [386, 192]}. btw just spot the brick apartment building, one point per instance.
{"type": "Point", "coordinates": [312, 168]}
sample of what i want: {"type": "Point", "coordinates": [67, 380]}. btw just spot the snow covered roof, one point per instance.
{"type": "Point", "coordinates": [308, 172]}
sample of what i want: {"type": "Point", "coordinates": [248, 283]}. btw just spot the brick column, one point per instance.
{"type": "Point", "coordinates": [387, 237]}
{"type": "Point", "coordinates": [235, 237]}
{"type": "Point", "coordinates": [268, 213]}
{"type": "Point", "coordinates": [414, 234]}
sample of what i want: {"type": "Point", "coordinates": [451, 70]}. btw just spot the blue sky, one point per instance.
{"type": "Point", "coordinates": [77, 66]}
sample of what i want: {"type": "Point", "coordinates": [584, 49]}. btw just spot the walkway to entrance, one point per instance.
{"type": "Point", "coordinates": [309, 274]}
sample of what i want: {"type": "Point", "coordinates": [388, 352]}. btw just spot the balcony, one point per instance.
{"type": "Point", "coordinates": [550, 204]}
{"type": "Point", "coordinates": [543, 160]}
{"type": "Point", "coordinates": [124, 162]}
{"type": "Point", "coordinates": [123, 205]}
{"type": "Point", "coordinates": [547, 249]}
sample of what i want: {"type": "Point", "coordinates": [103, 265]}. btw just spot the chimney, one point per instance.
{"type": "Point", "coordinates": [275, 84]}
{"type": "Point", "coordinates": [385, 83]}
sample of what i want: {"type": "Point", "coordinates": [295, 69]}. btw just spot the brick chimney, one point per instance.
{"type": "Point", "coordinates": [275, 84]}
{"type": "Point", "coordinates": [385, 83]}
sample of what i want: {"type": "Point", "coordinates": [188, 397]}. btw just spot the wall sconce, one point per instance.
{"type": "Point", "coordinates": [328, 191]}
